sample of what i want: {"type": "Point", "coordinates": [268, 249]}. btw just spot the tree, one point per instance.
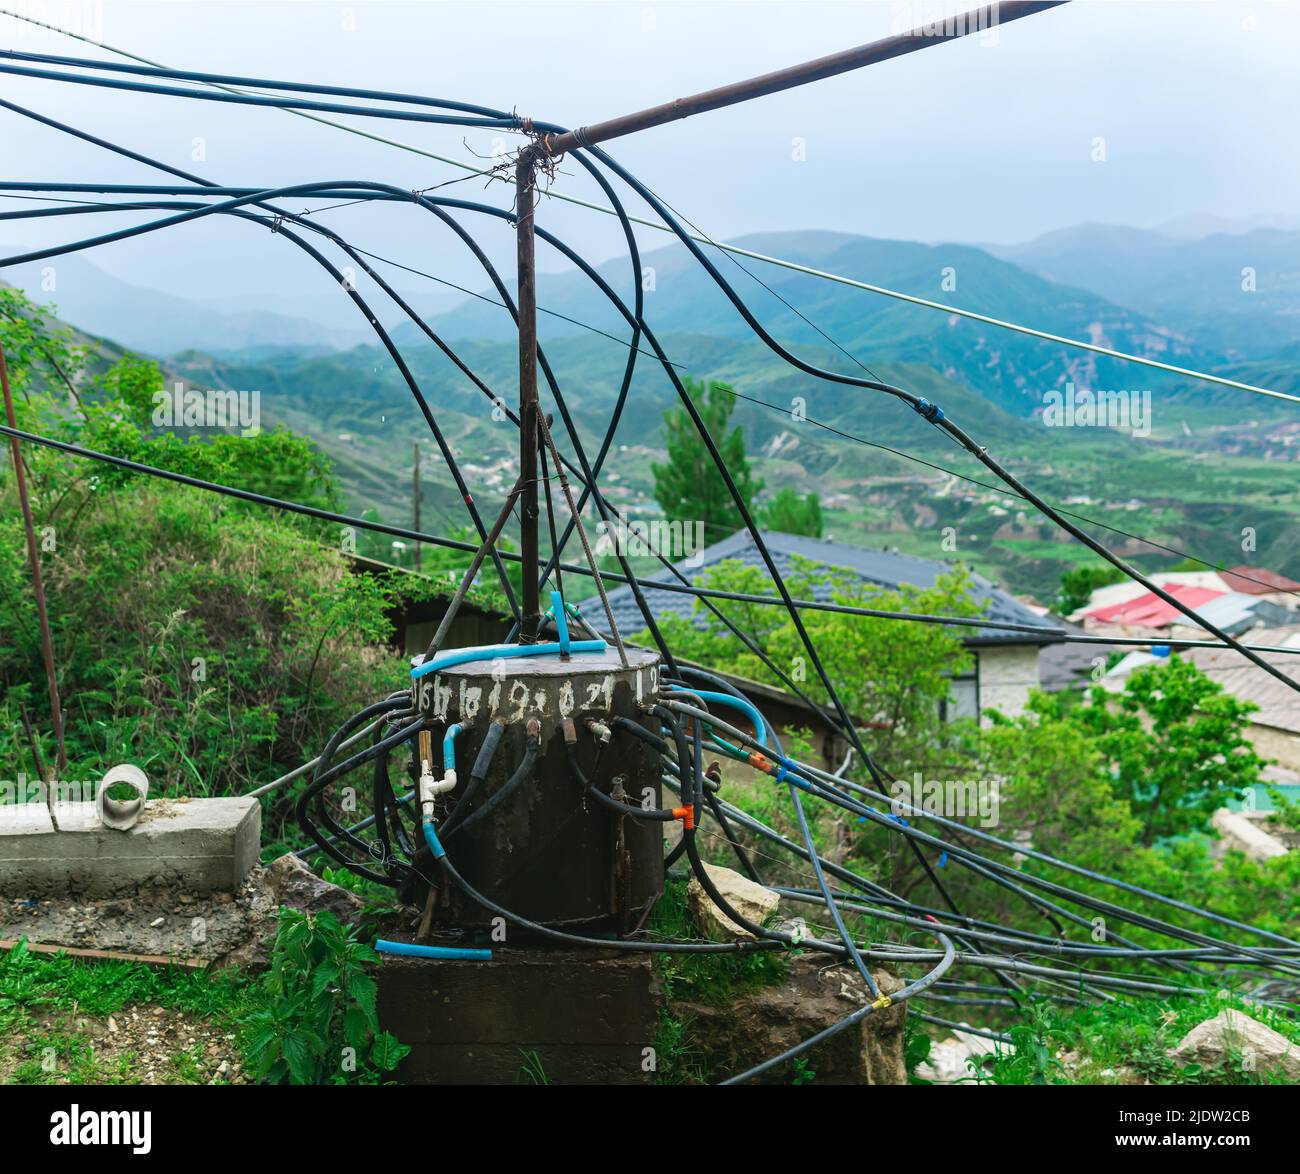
{"type": "Point", "coordinates": [895, 675]}
{"type": "Point", "coordinates": [1078, 584]}
{"type": "Point", "coordinates": [688, 487]}
{"type": "Point", "coordinates": [789, 513]}
{"type": "Point", "coordinates": [1176, 745]}
{"type": "Point", "coordinates": [211, 641]}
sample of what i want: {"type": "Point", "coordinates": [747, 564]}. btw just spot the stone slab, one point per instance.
{"type": "Point", "coordinates": [205, 845]}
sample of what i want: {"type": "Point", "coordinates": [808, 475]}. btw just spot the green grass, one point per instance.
{"type": "Point", "coordinates": [1125, 1042]}
{"type": "Point", "coordinates": [42, 995]}
{"type": "Point", "coordinates": [710, 978]}
{"type": "Point", "coordinates": [58, 983]}
{"type": "Point", "coordinates": [706, 978]}
{"type": "Point", "coordinates": [49, 1005]}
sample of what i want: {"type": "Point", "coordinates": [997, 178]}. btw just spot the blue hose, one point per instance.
{"type": "Point", "coordinates": [745, 707]}
{"type": "Point", "coordinates": [449, 953]}
{"type": "Point", "coordinates": [561, 621]}
{"type": "Point", "coordinates": [431, 838]}
{"type": "Point", "coordinates": [449, 746]}
{"type": "Point", "coordinates": [501, 652]}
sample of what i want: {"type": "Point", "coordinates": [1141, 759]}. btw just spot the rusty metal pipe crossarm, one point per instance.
{"type": "Point", "coordinates": [546, 147]}
{"type": "Point", "coordinates": [530, 618]}
{"type": "Point", "coordinates": [977, 20]}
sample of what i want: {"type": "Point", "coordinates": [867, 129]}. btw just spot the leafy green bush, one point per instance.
{"type": "Point", "coordinates": [317, 1024]}
{"type": "Point", "coordinates": [1078, 584]}
{"type": "Point", "coordinates": [213, 642]}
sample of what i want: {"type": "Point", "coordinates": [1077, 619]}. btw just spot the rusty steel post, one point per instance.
{"type": "Point", "coordinates": [530, 620]}
{"type": "Point", "coordinates": [981, 19]}
{"type": "Point", "coordinates": [38, 586]}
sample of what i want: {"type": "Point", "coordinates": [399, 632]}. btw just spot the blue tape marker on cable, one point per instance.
{"type": "Point", "coordinates": [932, 412]}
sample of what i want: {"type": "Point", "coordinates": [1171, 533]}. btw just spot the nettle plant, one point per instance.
{"type": "Point", "coordinates": [318, 1023]}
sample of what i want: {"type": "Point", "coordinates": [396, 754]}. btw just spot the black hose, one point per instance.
{"type": "Point", "coordinates": [304, 820]}
{"type": "Point", "coordinates": [522, 772]}
{"type": "Point", "coordinates": [482, 764]}
{"type": "Point", "coordinates": [661, 814]}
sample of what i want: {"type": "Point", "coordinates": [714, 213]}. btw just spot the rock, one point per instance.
{"type": "Point", "coordinates": [753, 1025]}
{"type": "Point", "coordinates": [295, 885]}
{"type": "Point", "coordinates": [752, 901]}
{"type": "Point", "coordinates": [1231, 1038]}
{"type": "Point", "coordinates": [1246, 836]}
{"type": "Point", "coordinates": [948, 1062]}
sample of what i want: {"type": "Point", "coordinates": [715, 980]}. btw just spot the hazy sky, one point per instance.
{"type": "Point", "coordinates": [1196, 104]}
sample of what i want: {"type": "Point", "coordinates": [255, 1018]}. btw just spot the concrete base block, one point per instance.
{"type": "Point", "coordinates": [558, 1016]}
{"type": "Point", "coordinates": [203, 845]}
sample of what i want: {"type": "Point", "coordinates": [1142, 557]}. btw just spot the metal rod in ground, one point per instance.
{"type": "Point", "coordinates": [530, 617]}
{"type": "Point", "coordinates": [556, 553]}
{"type": "Point", "coordinates": [299, 771]}
{"type": "Point", "coordinates": [47, 783]}
{"type": "Point", "coordinates": [467, 579]}
{"type": "Point", "coordinates": [586, 543]}
{"type": "Point", "coordinates": [983, 19]}
{"type": "Point", "coordinates": [34, 558]}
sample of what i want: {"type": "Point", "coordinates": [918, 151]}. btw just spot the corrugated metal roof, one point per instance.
{"type": "Point", "coordinates": [1149, 610]}
{"type": "Point", "coordinates": [1231, 613]}
{"type": "Point", "coordinates": [1279, 705]}
{"type": "Point", "coordinates": [1257, 581]}
{"type": "Point", "coordinates": [880, 568]}
{"type": "Point", "coordinates": [1130, 589]}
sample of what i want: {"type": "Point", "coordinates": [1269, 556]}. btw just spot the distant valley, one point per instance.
{"type": "Point", "coordinates": [1174, 298]}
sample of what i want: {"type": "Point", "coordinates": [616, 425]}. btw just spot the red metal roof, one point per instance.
{"type": "Point", "coordinates": [1150, 611]}
{"type": "Point", "coordinates": [1256, 580]}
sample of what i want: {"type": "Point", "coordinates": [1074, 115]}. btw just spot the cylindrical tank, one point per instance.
{"type": "Point", "coordinates": [548, 851]}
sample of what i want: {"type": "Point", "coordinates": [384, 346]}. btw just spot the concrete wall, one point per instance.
{"type": "Point", "coordinates": [1006, 674]}
{"type": "Point", "coordinates": [1282, 745]}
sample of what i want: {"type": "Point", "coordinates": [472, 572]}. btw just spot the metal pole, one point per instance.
{"type": "Point", "coordinates": [415, 495]}
{"type": "Point", "coordinates": [467, 579]}
{"type": "Point", "coordinates": [34, 558]}
{"type": "Point", "coordinates": [530, 619]}
{"type": "Point", "coordinates": [981, 19]}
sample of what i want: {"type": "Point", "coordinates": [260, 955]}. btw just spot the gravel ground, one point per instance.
{"type": "Point", "coordinates": [153, 920]}
{"type": "Point", "coordinates": [138, 1045]}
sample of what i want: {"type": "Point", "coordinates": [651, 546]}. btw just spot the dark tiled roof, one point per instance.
{"type": "Point", "coordinates": [1069, 666]}
{"type": "Point", "coordinates": [880, 568]}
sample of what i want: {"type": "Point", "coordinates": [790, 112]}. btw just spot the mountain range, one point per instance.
{"type": "Point", "coordinates": [1226, 300]}
{"type": "Point", "coordinates": [1213, 452]}
{"type": "Point", "coordinates": [161, 324]}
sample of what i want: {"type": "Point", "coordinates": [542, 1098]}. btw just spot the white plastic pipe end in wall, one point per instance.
{"type": "Point", "coordinates": [121, 814]}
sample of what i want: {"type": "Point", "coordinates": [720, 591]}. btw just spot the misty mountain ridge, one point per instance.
{"type": "Point", "coordinates": [1177, 299]}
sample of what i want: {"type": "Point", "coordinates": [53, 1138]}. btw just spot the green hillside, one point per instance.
{"type": "Point", "coordinates": [1172, 487]}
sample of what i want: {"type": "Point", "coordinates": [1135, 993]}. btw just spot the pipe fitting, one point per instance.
{"type": "Point", "coordinates": [121, 814]}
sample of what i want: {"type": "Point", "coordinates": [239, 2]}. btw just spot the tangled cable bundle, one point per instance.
{"type": "Point", "coordinates": [410, 842]}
